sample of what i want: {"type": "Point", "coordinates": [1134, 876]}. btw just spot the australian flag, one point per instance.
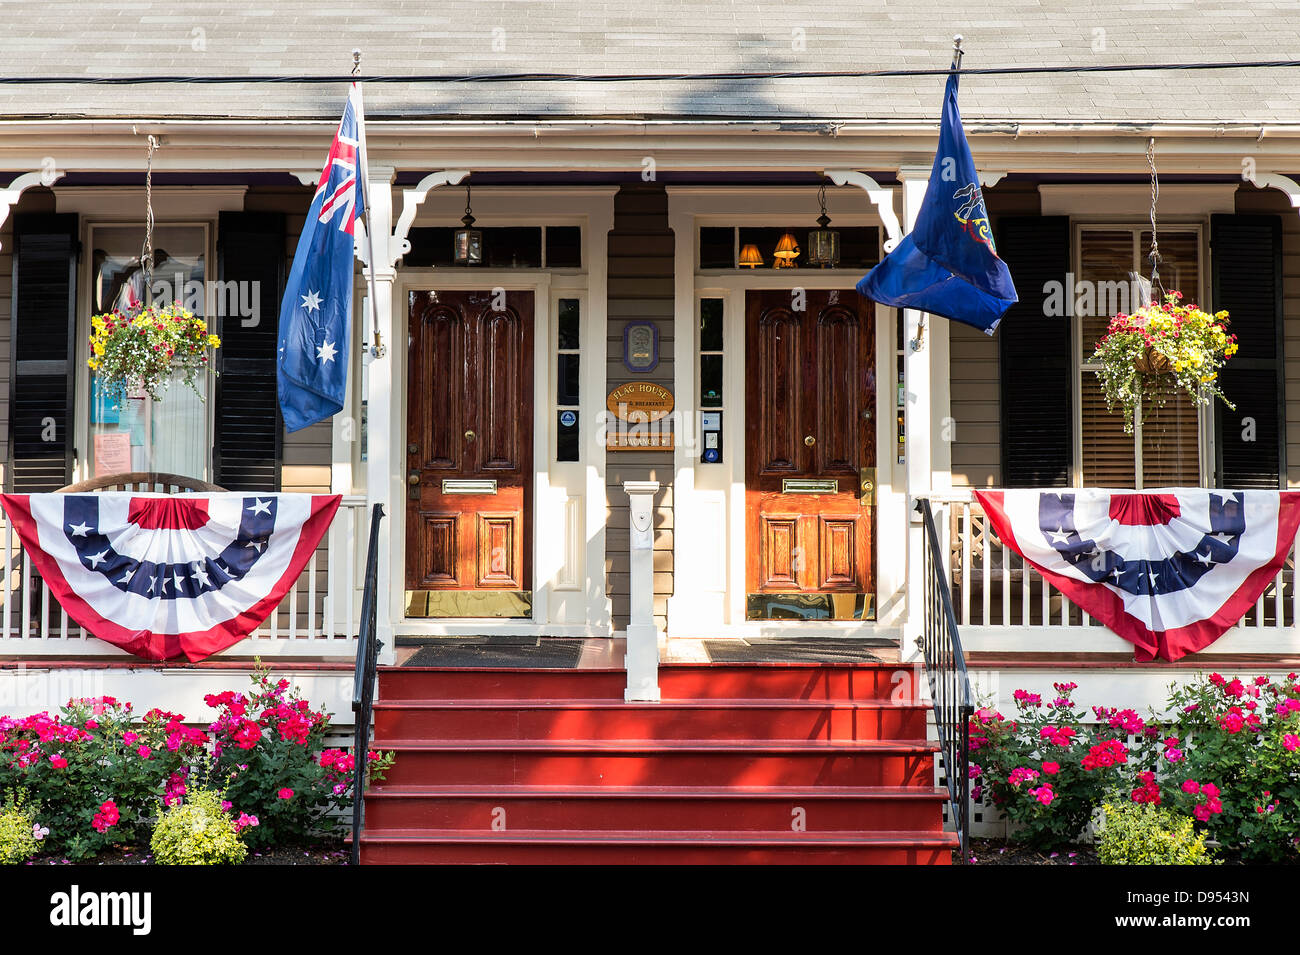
{"type": "Point", "coordinates": [312, 361]}
{"type": "Point", "coordinates": [948, 264]}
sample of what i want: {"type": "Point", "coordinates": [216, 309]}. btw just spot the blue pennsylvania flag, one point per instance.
{"type": "Point", "coordinates": [312, 361]}
{"type": "Point", "coordinates": [947, 265]}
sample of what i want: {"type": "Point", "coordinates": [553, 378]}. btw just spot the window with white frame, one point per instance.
{"type": "Point", "coordinates": [1165, 448]}
{"type": "Point", "coordinates": [126, 427]}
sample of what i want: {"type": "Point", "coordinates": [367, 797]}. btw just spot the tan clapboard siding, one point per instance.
{"type": "Point", "coordinates": [1253, 202]}
{"type": "Point", "coordinates": [640, 289]}
{"type": "Point", "coordinates": [973, 369]}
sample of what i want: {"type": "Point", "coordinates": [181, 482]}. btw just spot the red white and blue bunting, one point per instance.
{"type": "Point", "coordinates": [1169, 570]}
{"type": "Point", "coordinates": [174, 575]}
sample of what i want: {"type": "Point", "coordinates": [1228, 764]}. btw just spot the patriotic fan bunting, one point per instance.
{"type": "Point", "coordinates": [177, 575]}
{"type": "Point", "coordinates": [1170, 570]}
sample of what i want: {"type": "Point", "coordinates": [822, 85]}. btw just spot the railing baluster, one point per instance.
{"type": "Point", "coordinates": [1006, 585]}
{"type": "Point", "coordinates": [311, 596]}
{"type": "Point", "coordinates": [986, 575]}
{"type": "Point", "coordinates": [350, 579]}
{"type": "Point", "coordinates": [966, 509]}
{"type": "Point", "coordinates": [25, 586]}
{"type": "Point", "coordinates": [1277, 600]}
{"type": "Point", "coordinates": [9, 578]}
{"type": "Point", "coordinates": [293, 610]}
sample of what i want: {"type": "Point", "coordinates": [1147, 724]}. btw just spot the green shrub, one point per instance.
{"type": "Point", "coordinates": [197, 832]}
{"type": "Point", "coordinates": [19, 839]}
{"type": "Point", "coordinates": [1145, 834]}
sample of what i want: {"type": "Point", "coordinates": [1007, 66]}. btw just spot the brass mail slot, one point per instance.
{"type": "Point", "coordinates": [807, 486]}
{"type": "Point", "coordinates": [469, 486]}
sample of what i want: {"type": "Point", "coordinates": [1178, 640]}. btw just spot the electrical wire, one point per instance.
{"type": "Point", "coordinates": [443, 79]}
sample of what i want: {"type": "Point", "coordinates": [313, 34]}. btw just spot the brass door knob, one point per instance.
{"type": "Point", "coordinates": [413, 478]}
{"type": "Point", "coordinates": [469, 435]}
{"type": "Point", "coordinates": [810, 440]}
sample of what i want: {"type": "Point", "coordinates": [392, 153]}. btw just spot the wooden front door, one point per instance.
{"type": "Point", "coordinates": [810, 454]}
{"type": "Point", "coordinates": [469, 454]}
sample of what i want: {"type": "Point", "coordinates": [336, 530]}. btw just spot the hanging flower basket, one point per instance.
{"type": "Point", "coordinates": [141, 353]}
{"type": "Point", "coordinates": [1159, 350]}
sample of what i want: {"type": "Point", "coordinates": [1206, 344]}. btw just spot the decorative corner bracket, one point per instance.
{"type": "Point", "coordinates": [881, 197]}
{"type": "Point", "coordinates": [10, 195]}
{"type": "Point", "coordinates": [1286, 184]}
{"type": "Point", "coordinates": [411, 202]}
{"type": "Point", "coordinates": [990, 179]}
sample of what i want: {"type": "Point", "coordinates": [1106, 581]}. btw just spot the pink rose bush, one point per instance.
{"type": "Point", "coordinates": [1228, 757]}
{"type": "Point", "coordinates": [99, 774]}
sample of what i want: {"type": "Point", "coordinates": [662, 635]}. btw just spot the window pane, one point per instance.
{"type": "Point", "coordinates": [567, 380]}
{"type": "Point", "coordinates": [717, 248]}
{"type": "Point", "coordinates": [566, 436]}
{"type": "Point", "coordinates": [711, 324]}
{"type": "Point", "coordinates": [1169, 443]}
{"type": "Point", "coordinates": [1179, 263]}
{"type": "Point", "coordinates": [569, 323]}
{"type": "Point", "coordinates": [711, 381]}
{"type": "Point", "coordinates": [118, 281]}
{"type": "Point", "coordinates": [518, 247]}
{"type": "Point", "coordinates": [564, 246]}
{"type": "Point", "coordinates": [1108, 453]}
{"type": "Point", "coordinates": [1105, 259]}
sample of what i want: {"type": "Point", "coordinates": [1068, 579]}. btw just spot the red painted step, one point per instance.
{"type": "Point", "coordinates": [654, 808]}
{"type": "Point", "coordinates": [741, 764]}
{"type": "Point", "coordinates": [641, 848]}
{"type": "Point", "coordinates": [606, 719]}
{"type": "Point", "coordinates": [661, 762]}
{"type": "Point", "coordinates": [677, 681]}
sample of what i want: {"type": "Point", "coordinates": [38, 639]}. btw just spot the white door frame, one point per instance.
{"type": "Point", "coordinates": [568, 510]}
{"type": "Point", "coordinates": [709, 544]}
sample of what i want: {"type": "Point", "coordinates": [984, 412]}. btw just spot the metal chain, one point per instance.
{"type": "Point", "coordinates": [146, 253]}
{"type": "Point", "coordinates": [1154, 255]}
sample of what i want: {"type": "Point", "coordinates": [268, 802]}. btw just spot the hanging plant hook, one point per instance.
{"type": "Point", "coordinates": [146, 252]}
{"type": "Point", "coordinates": [1154, 254]}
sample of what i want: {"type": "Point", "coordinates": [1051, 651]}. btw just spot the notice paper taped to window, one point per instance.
{"type": "Point", "coordinates": [112, 453]}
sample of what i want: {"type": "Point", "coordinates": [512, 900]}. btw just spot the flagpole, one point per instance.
{"type": "Point", "coordinates": [363, 176]}
{"type": "Point", "coordinates": [919, 342]}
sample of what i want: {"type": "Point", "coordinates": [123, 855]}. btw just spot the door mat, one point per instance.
{"type": "Point", "coordinates": [532, 652]}
{"type": "Point", "coordinates": [803, 650]}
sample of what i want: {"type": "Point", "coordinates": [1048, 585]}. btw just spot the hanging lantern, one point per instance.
{"type": "Point", "coordinates": [750, 257]}
{"type": "Point", "coordinates": [823, 243]}
{"type": "Point", "coordinates": [787, 250]}
{"type": "Point", "coordinates": [467, 243]}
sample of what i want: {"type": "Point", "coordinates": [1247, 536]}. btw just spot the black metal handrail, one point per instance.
{"type": "Point", "coordinates": [363, 685]}
{"type": "Point", "coordinates": [950, 690]}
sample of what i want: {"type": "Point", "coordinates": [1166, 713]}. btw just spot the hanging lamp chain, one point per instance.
{"type": "Point", "coordinates": [146, 252]}
{"type": "Point", "coordinates": [1154, 254]}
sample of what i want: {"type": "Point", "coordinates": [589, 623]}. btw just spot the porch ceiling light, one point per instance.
{"type": "Point", "coordinates": [467, 242]}
{"type": "Point", "coordinates": [750, 257]}
{"type": "Point", "coordinates": [787, 250]}
{"type": "Point", "coordinates": [823, 243]}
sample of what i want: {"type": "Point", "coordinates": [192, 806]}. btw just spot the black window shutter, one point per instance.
{"type": "Point", "coordinates": [1246, 252]}
{"type": "Point", "coordinates": [247, 439]}
{"type": "Point", "coordinates": [44, 351]}
{"type": "Point", "coordinates": [1036, 367]}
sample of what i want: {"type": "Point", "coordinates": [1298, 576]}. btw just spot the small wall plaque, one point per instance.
{"type": "Point", "coordinates": [640, 346]}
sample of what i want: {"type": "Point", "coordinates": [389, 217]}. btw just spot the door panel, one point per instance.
{"type": "Point", "coordinates": [469, 453]}
{"type": "Point", "coordinates": [810, 446]}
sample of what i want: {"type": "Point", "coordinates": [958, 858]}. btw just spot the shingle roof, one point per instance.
{"type": "Point", "coordinates": [236, 37]}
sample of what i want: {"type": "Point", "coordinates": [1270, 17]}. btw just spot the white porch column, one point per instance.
{"type": "Point", "coordinates": [642, 656]}
{"type": "Point", "coordinates": [917, 382]}
{"type": "Point", "coordinates": [383, 482]}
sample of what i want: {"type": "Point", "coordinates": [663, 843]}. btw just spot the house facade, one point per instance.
{"type": "Point", "coordinates": [633, 318]}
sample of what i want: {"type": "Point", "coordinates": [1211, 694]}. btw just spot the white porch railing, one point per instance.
{"type": "Point", "coordinates": [1004, 604]}
{"type": "Point", "coordinates": [318, 618]}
